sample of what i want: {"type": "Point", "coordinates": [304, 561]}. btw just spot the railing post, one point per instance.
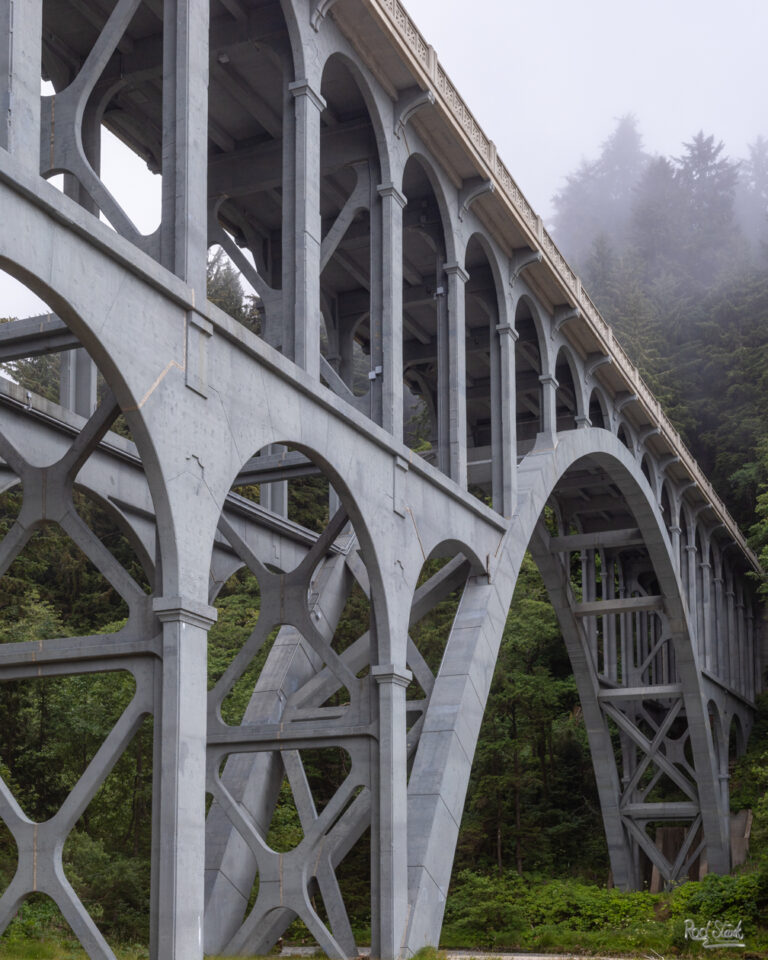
{"type": "Point", "coordinates": [21, 25]}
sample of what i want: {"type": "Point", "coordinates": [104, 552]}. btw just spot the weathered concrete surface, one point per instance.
{"type": "Point", "coordinates": [396, 265]}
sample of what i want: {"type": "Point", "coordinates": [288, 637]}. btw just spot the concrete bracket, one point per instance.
{"type": "Point", "coordinates": [507, 330]}
{"type": "Point", "coordinates": [666, 462]}
{"type": "Point", "coordinates": [563, 313]}
{"type": "Point", "coordinates": [199, 333]}
{"type": "Point", "coordinates": [522, 258]}
{"type": "Point", "coordinates": [391, 673]}
{"type": "Point", "coordinates": [622, 400]}
{"type": "Point", "coordinates": [472, 189]}
{"type": "Point", "coordinates": [303, 88]}
{"type": "Point", "coordinates": [594, 361]}
{"type": "Point", "coordinates": [184, 610]}
{"type": "Point", "coordinates": [407, 105]}
{"type": "Point", "coordinates": [646, 433]}
{"type": "Point", "coordinates": [320, 10]}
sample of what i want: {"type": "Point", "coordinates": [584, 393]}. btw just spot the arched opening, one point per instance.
{"type": "Point", "coordinates": [350, 172]}
{"type": "Point", "coordinates": [567, 396]}
{"type": "Point", "coordinates": [425, 318]}
{"type": "Point", "coordinates": [293, 643]}
{"type": "Point", "coordinates": [623, 435]}
{"type": "Point", "coordinates": [598, 414]}
{"type": "Point", "coordinates": [250, 108]}
{"type": "Point", "coordinates": [666, 508]}
{"type": "Point", "coordinates": [77, 559]}
{"type": "Point", "coordinates": [528, 371]}
{"type": "Point", "coordinates": [647, 468]}
{"type": "Point", "coordinates": [483, 390]}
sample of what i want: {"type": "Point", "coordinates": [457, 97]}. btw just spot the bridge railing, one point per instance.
{"type": "Point", "coordinates": [416, 49]}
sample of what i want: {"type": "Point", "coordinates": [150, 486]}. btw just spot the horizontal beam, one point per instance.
{"type": "Point", "coordinates": [593, 541]}
{"type": "Point", "coordinates": [596, 608]}
{"type": "Point", "coordinates": [259, 168]}
{"type": "Point", "coordinates": [35, 336]}
{"type": "Point", "coordinates": [661, 691]}
{"type": "Point", "coordinates": [661, 811]}
{"type": "Point", "coordinates": [269, 468]}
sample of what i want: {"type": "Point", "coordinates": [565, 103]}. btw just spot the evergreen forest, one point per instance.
{"type": "Point", "coordinates": [674, 252]}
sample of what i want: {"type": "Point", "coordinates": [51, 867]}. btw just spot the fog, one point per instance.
{"type": "Point", "coordinates": [548, 80]}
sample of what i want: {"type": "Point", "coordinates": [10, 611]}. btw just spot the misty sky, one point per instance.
{"type": "Point", "coordinates": [547, 80]}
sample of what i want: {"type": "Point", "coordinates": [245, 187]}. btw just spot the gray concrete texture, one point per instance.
{"type": "Point", "coordinates": [398, 269]}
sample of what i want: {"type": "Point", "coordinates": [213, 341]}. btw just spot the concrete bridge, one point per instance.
{"type": "Point", "coordinates": [398, 268]}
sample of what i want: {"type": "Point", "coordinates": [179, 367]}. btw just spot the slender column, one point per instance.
{"type": "Point", "coordinates": [308, 229]}
{"type": "Point", "coordinates": [719, 623]}
{"type": "Point", "coordinates": [21, 25]}
{"type": "Point", "coordinates": [609, 621]}
{"type": "Point", "coordinates": [674, 534]}
{"type": "Point", "coordinates": [740, 662]}
{"type": "Point", "coordinates": [392, 204]}
{"type": "Point", "coordinates": [454, 378]}
{"type": "Point", "coordinates": [706, 612]}
{"type": "Point", "coordinates": [548, 404]}
{"type": "Point", "coordinates": [735, 616]}
{"type": "Point", "coordinates": [181, 731]}
{"type": "Point", "coordinates": [754, 661]}
{"type": "Point", "coordinates": [274, 496]}
{"type": "Point", "coordinates": [690, 552]}
{"type": "Point", "coordinates": [507, 419]}
{"type": "Point", "coordinates": [184, 229]}
{"type": "Point", "coordinates": [77, 385]}
{"type": "Point", "coordinates": [391, 855]}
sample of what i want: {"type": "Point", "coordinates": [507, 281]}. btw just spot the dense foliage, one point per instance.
{"type": "Point", "coordinates": [674, 251]}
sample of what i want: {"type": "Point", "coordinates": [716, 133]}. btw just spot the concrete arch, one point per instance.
{"type": "Point", "coordinates": [296, 37]}
{"type": "Point", "coordinates": [598, 398]}
{"type": "Point", "coordinates": [647, 467]}
{"type": "Point", "coordinates": [491, 255]}
{"type": "Point", "coordinates": [441, 190]}
{"type": "Point", "coordinates": [577, 376]}
{"type": "Point", "coordinates": [541, 326]}
{"type": "Point", "coordinates": [373, 105]}
{"type": "Point", "coordinates": [600, 448]}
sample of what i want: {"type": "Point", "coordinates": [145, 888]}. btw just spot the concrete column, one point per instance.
{"type": "Point", "coordinates": [706, 613]}
{"type": "Point", "coordinates": [308, 229]}
{"type": "Point", "coordinates": [390, 835]}
{"type": "Point", "coordinates": [609, 622]}
{"type": "Point", "coordinates": [184, 228]}
{"type": "Point", "coordinates": [77, 384]}
{"type": "Point", "coordinates": [718, 625]}
{"type": "Point", "coordinates": [454, 378]}
{"type": "Point", "coordinates": [392, 204]}
{"type": "Point", "coordinates": [21, 25]}
{"type": "Point", "coordinates": [740, 662]}
{"type": "Point", "coordinates": [755, 674]}
{"type": "Point", "coordinates": [180, 729]}
{"type": "Point", "coordinates": [674, 535]}
{"type": "Point", "coordinates": [274, 496]}
{"type": "Point", "coordinates": [506, 501]}
{"type": "Point", "coordinates": [735, 616]}
{"type": "Point", "coordinates": [690, 552]}
{"type": "Point", "coordinates": [548, 404]}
